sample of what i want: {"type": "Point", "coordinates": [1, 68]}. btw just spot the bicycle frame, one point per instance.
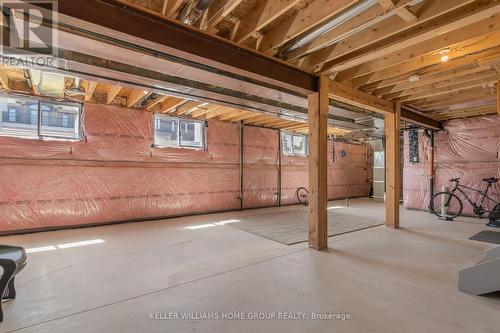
{"type": "Point", "coordinates": [484, 194]}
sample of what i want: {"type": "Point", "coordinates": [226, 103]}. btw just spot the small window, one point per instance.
{"type": "Point", "coordinates": [177, 132]}
{"type": "Point", "coordinates": [60, 120]}
{"type": "Point", "coordinates": [29, 118]}
{"type": "Point", "coordinates": [17, 117]}
{"type": "Point", "coordinates": [294, 144]}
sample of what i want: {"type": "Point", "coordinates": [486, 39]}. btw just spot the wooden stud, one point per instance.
{"type": "Point", "coordinates": [318, 165]}
{"type": "Point", "coordinates": [498, 96]}
{"type": "Point", "coordinates": [393, 166]}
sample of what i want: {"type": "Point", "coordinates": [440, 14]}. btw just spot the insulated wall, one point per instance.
{"type": "Point", "coordinates": [115, 174]}
{"type": "Point", "coordinates": [467, 149]}
{"type": "Point", "coordinates": [350, 172]}
{"type": "Point", "coordinates": [260, 167]}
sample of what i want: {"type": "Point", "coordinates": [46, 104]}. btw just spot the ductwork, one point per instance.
{"type": "Point", "coordinates": [193, 10]}
{"type": "Point", "coordinates": [335, 22]}
{"type": "Point", "coordinates": [48, 84]}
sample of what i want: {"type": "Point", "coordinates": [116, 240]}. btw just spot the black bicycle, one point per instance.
{"type": "Point", "coordinates": [303, 196]}
{"type": "Point", "coordinates": [448, 205]}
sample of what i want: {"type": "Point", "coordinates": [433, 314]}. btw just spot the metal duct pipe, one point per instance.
{"type": "Point", "coordinates": [193, 11]}
{"type": "Point", "coordinates": [329, 25]}
{"type": "Point", "coordinates": [333, 23]}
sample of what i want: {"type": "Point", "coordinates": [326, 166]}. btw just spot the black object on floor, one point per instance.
{"type": "Point", "coordinates": [12, 260]}
{"type": "Point", "coordinates": [487, 236]}
{"type": "Point", "coordinates": [494, 217]}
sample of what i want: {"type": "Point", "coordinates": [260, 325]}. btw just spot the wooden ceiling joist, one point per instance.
{"type": "Point", "coordinates": [89, 90]}
{"type": "Point", "coordinates": [340, 57]}
{"type": "Point", "coordinates": [112, 93]}
{"type": "Point", "coordinates": [219, 10]}
{"type": "Point", "coordinates": [363, 20]}
{"type": "Point", "coordinates": [348, 95]}
{"type": "Point", "coordinates": [135, 97]}
{"type": "Point", "coordinates": [316, 13]}
{"type": "Point", "coordinates": [466, 112]}
{"type": "Point", "coordinates": [453, 41]}
{"type": "Point", "coordinates": [264, 13]}
{"type": "Point", "coordinates": [170, 104]}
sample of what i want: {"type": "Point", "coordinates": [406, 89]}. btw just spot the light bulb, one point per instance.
{"type": "Point", "coordinates": [444, 58]}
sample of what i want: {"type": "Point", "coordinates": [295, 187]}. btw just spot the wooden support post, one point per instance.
{"type": "Point", "coordinates": [318, 118]}
{"type": "Point", "coordinates": [393, 166]}
{"type": "Point", "coordinates": [498, 97]}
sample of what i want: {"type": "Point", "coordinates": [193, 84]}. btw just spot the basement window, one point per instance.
{"type": "Point", "coordinates": [178, 132]}
{"type": "Point", "coordinates": [294, 144]}
{"type": "Point", "coordinates": [35, 119]}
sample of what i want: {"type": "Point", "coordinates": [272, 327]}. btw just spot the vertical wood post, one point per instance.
{"type": "Point", "coordinates": [498, 96]}
{"type": "Point", "coordinates": [393, 166]}
{"type": "Point", "coordinates": [318, 164]}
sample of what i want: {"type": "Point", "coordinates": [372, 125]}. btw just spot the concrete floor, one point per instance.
{"type": "Point", "coordinates": [386, 280]}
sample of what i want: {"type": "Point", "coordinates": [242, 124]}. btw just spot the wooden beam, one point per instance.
{"type": "Point", "coordinates": [438, 93]}
{"type": "Point", "coordinates": [348, 95]}
{"type": "Point", "coordinates": [170, 104]}
{"type": "Point", "coordinates": [188, 43]}
{"type": "Point", "coordinates": [218, 11]}
{"type": "Point", "coordinates": [339, 59]}
{"type": "Point", "coordinates": [392, 125]}
{"type": "Point", "coordinates": [4, 79]}
{"type": "Point", "coordinates": [457, 40]}
{"type": "Point", "coordinates": [112, 93]}
{"type": "Point", "coordinates": [389, 27]}
{"type": "Point", "coordinates": [134, 97]}
{"type": "Point", "coordinates": [458, 57]}
{"type": "Point", "coordinates": [318, 165]}
{"type": "Point", "coordinates": [420, 120]}
{"type": "Point", "coordinates": [406, 14]}
{"type": "Point", "coordinates": [89, 91]}
{"type": "Point", "coordinates": [260, 16]}
{"type": "Point", "coordinates": [170, 7]}
{"type": "Point", "coordinates": [158, 100]}
{"type": "Point", "coordinates": [359, 22]}
{"type": "Point", "coordinates": [316, 13]}
{"type": "Point", "coordinates": [188, 107]}
{"type": "Point", "coordinates": [498, 96]}
{"type": "Point", "coordinates": [428, 79]}
{"type": "Point", "coordinates": [465, 112]}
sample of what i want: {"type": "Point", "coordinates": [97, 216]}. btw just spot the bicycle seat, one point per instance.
{"type": "Point", "coordinates": [490, 180]}
{"type": "Point", "coordinates": [455, 180]}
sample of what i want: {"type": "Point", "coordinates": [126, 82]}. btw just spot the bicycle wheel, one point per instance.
{"type": "Point", "coordinates": [451, 202]}
{"type": "Point", "coordinates": [303, 196]}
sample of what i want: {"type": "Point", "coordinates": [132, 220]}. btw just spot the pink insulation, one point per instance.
{"type": "Point", "coordinates": [416, 191]}
{"type": "Point", "coordinates": [467, 149]}
{"type": "Point", "coordinates": [260, 167]}
{"type": "Point", "coordinates": [114, 174]}
{"type": "Point", "coordinates": [350, 170]}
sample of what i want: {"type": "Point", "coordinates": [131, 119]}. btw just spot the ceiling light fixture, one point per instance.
{"type": "Point", "coordinates": [444, 55]}
{"type": "Point", "coordinates": [414, 78]}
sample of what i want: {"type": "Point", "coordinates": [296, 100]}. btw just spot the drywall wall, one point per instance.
{"type": "Point", "coordinates": [467, 149]}
{"type": "Point", "coordinates": [114, 174]}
